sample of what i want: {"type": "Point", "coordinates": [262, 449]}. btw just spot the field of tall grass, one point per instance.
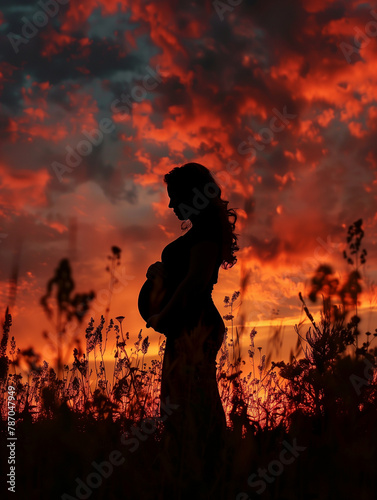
{"type": "Point", "coordinates": [88, 427]}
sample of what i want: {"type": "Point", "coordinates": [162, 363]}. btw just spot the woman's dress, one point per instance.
{"type": "Point", "coordinates": [195, 431]}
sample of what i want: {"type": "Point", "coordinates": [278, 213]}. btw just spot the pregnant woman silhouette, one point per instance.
{"type": "Point", "coordinates": [176, 300]}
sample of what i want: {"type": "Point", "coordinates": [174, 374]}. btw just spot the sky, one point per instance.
{"type": "Point", "coordinates": [100, 99]}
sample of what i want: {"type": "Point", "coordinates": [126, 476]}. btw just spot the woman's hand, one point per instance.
{"type": "Point", "coordinates": [156, 270]}
{"type": "Point", "coordinates": [155, 322]}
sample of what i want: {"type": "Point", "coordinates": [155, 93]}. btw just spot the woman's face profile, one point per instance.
{"type": "Point", "coordinates": [177, 198]}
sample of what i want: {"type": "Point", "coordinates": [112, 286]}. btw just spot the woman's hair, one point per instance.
{"type": "Point", "coordinates": [193, 178]}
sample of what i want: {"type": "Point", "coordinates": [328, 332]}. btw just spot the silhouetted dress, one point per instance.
{"type": "Point", "coordinates": [194, 433]}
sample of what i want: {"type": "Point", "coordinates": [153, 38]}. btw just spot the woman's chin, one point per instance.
{"type": "Point", "coordinates": [180, 217]}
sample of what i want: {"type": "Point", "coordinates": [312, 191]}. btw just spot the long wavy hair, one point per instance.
{"type": "Point", "coordinates": [184, 180]}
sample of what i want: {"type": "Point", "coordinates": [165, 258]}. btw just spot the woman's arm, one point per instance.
{"type": "Point", "coordinates": [201, 267]}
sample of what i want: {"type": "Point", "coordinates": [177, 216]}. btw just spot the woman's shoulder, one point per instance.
{"type": "Point", "coordinates": [207, 232]}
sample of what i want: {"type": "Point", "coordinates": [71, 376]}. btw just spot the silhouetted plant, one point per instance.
{"type": "Point", "coordinates": [67, 308]}
{"type": "Point", "coordinates": [114, 259]}
{"type": "Point", "coordinates": [319, 384]}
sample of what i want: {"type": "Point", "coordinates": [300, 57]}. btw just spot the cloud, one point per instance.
{"type": "Point", "coordinates": [224, 87]}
